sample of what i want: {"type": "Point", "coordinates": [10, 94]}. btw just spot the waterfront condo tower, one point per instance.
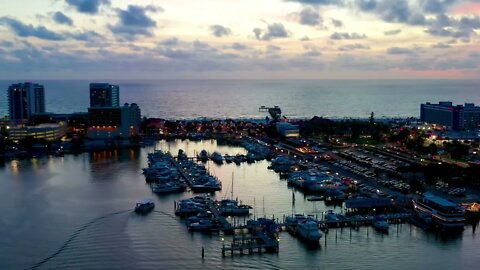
{"type": "Point", "coordinates": [456, 117]}
{"type": "Point", "coordinates": [104, 95]}
{"type": "Point", "coordinates": [24, 100]}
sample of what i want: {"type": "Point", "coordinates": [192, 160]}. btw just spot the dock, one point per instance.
{"type": "Point", "coordinates": [257, 241]}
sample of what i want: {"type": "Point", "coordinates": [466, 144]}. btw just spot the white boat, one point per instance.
{"type": "Point", "coordinates": [144, 206]}
{"type": "Point", "coordinates": [217, 158]}
{"type": "Point", "coordinates": [381, 224]}
{"type": "Point", "coordinates": [233, 208]}
{"type": "Point", "coordinates": [308, 230]}
{"type": "Point", "coordinates": [168, 187]}
{"type": "Point", "coordinates": [331, 216]}
{"type": "Point", "coordinates": [445, 214]}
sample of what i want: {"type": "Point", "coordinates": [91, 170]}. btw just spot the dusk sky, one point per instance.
{"type": "Point", "coordinates": [311, 39]}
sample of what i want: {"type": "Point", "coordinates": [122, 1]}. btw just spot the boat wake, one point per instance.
{"type": "Point", "coordinates": [86, 227]}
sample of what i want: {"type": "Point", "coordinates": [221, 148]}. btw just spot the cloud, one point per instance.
{"type": "Point", "coordinates": [392, 32]}
{"type": "Point", "coordinates": [436, 6]}
{"type": "Point", "coordinates": [441, 45]}
{"type": "Point", "coordinates": [24, 30]}
{"type": "Point", "coordinates": [239, 46]}
{"type": "Point", "coordinates": [309, 16]}
{"type": "Point", "coordinates": [61, 18]}
{"type": "Point", "coordinates": [352, 47]}
{"type": "Point", "coordinates": [319, 2]}
{"type": "Point", "coordinates": [339, 36]}
{"type": "Point", "coordinates": [134, 22]}
{"type": "Point", "coordinates": [88, 6]}
{"type": "Point", "coordinates": [274, 30]}
{"type": "Point", "coordinates": [311, 50]}
{"type": "Point", "coordinates": [337, 23]}
{"type": "Point", "coordinates": [398, 51]}
{"type": "Point", "coordinates": [397, 11]}
{"type": "Point", "coordinates": [170, 42]}
{"type": "Point", "coordinates": [219, 30]}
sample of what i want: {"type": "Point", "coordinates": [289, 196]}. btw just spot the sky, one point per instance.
{"type": "Point", "coordinates": [239, 39]}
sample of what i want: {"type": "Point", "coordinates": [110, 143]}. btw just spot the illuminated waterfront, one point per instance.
{"type": "Point", "coordinates": [53, 199]}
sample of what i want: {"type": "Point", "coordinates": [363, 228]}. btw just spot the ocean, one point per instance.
{"type": "Point", "coordinates": [190, 99]}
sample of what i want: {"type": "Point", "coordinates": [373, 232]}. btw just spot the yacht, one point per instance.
{"type": "Point", "coordinates": [380, 224]}
{"type": "Point", "coordinates": [168, 187]}
{"type": "Point", "coordinates": [144, 206]}
{"type": "Point", "coordinates": [308, 230]}
{"type": "Point", "coordinates": [233, 208]}
{"type": "Point", "coordinates": [207, 183]}
{"type": "Point", "coordinates": [331, 216]}
{"type": "Point", "coordinates": [217, 158]}
{"type": "Point", "coordinates": [203, 155]}
{"type": "Point", "coordinates": [444, 214]}
{"type": "Point", "coordinates": [228, 158]}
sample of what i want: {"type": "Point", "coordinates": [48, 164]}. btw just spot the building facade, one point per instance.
{"type": "Point", "coordinates": [104, 95]}
{"type": "Point", "coordinates": [49, 132]}
{"type": "Point", "coordinates": [456, 117]}
{"type": "Point", "coordinates": [114, 122]}
{"type": "Point", "coordinates": [24, 100]}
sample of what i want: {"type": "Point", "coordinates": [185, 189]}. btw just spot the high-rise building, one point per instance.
{"type": "Point", "coordinates": [114, 122]}
{"type": "Point", "coordinates": [24, 100]}
{"type": "Point", "coordinates": [456, 117]}
{"type": "Point", "coordinates": [104, 95]}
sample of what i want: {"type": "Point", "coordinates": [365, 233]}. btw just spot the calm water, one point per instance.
{"type": "Point", "coordinates": [178, 99]}
{"type": "Point", "coordinates": [75, 212]}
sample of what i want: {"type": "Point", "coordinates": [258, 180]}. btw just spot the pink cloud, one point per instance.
{"type": "Point", "coordinates": [466, 9]}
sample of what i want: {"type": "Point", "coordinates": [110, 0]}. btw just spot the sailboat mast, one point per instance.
{"type": "Point", "coordinates": [232, 185]}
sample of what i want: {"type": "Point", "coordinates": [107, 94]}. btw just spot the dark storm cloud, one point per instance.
{"type": "Point", "coordinates": [339, 36]}
{"type": "Point", "coordinates": [87, 6]}
{"type": "Point", "coordinates": [61, 18]}
{"type": "Point", "coordinates": [134, 22]}
{"type": "Point", "coordinates": [274, 30]}
{"type": "Point", "coordinates": [220, 30]}
{"type": "Point", "coordinates": [28, 30]}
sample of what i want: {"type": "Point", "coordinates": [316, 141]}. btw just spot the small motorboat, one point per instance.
{"type": "Point", "coordinates": [380, 224]}
{"type": "Point", "coordinates": [144, 206]}
{"type": "Point", "coordinates": [315, 198]}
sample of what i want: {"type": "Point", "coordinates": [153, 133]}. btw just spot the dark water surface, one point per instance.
{"type": "Point", "coordinates": [78, 209]}
{"type": "Point", "coordinates": [179, 99]}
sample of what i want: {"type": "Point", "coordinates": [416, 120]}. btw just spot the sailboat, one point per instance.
{"type": "Point", "coordinates": [231, 207]}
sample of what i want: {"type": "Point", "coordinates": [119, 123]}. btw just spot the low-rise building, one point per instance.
{"type": "Point", "coordinates": [49, 132]}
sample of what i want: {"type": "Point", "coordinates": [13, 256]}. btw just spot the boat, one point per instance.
{"type": "Point", "coordinates": [315, 198]}
{"type": "Point", "coordinates": [445, 215]}
{"type": "Point", "coordinates": [207, 183]}
{"type": "Point", "coordinates": [239, 158]}
{"type": "Point", "coordinates": [217, 158]}
{"type": "Point", "coordinates": [203, 156]}
{"type": "Point", "coordinates": [188, 208]}
{"type": "Point", "coordinates": [228, 158]}
{"type": "Point", "coordinates": [233, 208]}
{"type": "Point", "coordinates": [204, 225]}
{"type": "Point", "coordinates": [293, 220]}
{"type": "Point", "coordinates": [144, 206]}
{"type": "Point", "coordinates": [380, 224]}
{"type": "Point", "coordinates": [308, 230]}
{"type": "Point", "coordinates": [331, 216]}
{"type": "Point", "coordinates": [168, 187]}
